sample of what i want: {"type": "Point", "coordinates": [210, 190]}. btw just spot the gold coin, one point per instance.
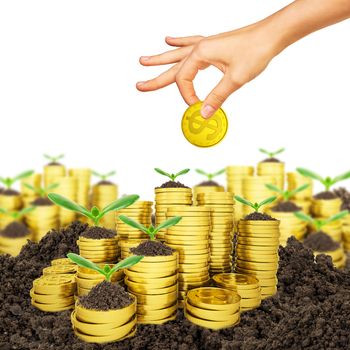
{"type": "Point", "coordinates": [236, 280]}
{"type": "Point", "coordinates": [62, 261]}
{"type": "Point", "coordinates": [52, 307]}
{"type": "Point", "coordinates": [251, 302]}
{"type": "Point", "coordinates": [203, 132]}
{"type": "Point", "coordinates": [141, 319]}
{"type": "Point", "coordinates": [60, 269]}
{"type": "Point", "coordinates": [161, 282]}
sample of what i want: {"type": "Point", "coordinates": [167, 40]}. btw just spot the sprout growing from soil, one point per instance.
{"type": "Point", "coordinates": [255, 206]}
{"type": "Point", "coordinates": [16, 214]}
{"type": "Point", "coordinates": [95, 214]}
{"type": "Point", "coordinates": [287, 195]}
{"type": "Point", "coordinates": [210, 176]}
{"type": "Point", "coordinates": [103, 177]}
{"type": "Point", "coordinates": [272, 154]}
{"type": "Point", "coordinates": [42, 191]}
{"type": "Point", "coordinates": [150, 231]}
{"type": "Point", "coordinates": [172, 177]}
{"type": "Point", "coordinates": [54, 159]}
{"type": "Point", "coordinates": [107, 271]}
{"type": "Point", "coordinates": [318, 223]}
{"type": "Point", "coordinates": [9, 181]}
{"type": "Point", "coordinates": [327, 182]}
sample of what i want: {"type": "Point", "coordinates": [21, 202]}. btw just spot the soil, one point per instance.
{"type": "Point", "coordinates": [106, 296]}
{"type": "Point", "coordinates": [9, 192]}
{"type": "Point", "coordinates": [325, 195]}
{"type": "Point", "coordinates": [15, 230]}
{"type": "Point", "coordinates": [95, 232]}
{"type": "Point", "coordinates": [271, 160]}
{"type": "Point", "coordinates": [152, 248]}
{"type": "Point", "coordinates": [54, 164]}
{"type": "Point", "coordinates": [258, 216]}
{"type": "Point", "coordinates": [208, 183]}
{"type": "Point", "coordinates": [286, 207]}
{"type": "Point", "coordinates": [105, 182]}
{"type": "Point", "coordinates": [45, 202]}
{"type": "Point", "coordinates": [172, 184]}
{"type": "Point", "coordinates": [321, 242]}
{"type": "Point", "coordinates": [344, 195]}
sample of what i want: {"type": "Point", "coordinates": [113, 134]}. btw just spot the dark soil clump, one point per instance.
{"type": "Point", "coordinates": [95, 232]}
{"type": "Point", "coordinates": [106, 296]}
{"type": "Point", "coordinates": [15, 230]}
{"type": "Point", "coordinates": [325, 195]}
{"type": "Point", "coordinates": [152, 248]}
{"type": "Point", "coordinates": [172, 184]}
{"type": "Point", "coordinates": [54, 164]}
{"type": "Point", "coordinates": [286, 207]}
{"type": "Point", "coordinates": [321, 242]}
{"type": "Point", "coordinates": [271, 160]}
{"type": "Point", "coordinates": [9, 192]}
{"type": "Point", "coordinates": [209, 183]}
{"type": "Point", "coordinates": [44, 202]}
{"type": "Point", "coordinates": [258, 216]}
{"type": "Point", "coordinates": [105, 182]}
{"type": "Point", "coordinates": [344, 195]}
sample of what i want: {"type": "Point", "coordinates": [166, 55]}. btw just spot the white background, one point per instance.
{"type": "Point", "coordinates": [67, 84]}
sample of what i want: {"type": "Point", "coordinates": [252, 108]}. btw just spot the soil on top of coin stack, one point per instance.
{"type": "Point", "coordinates": [271, 160]}
{"type": "Point", "coordinates": [15, 230]}
{"type": "Point", "coordinates": [9, 192]}
{"type": "Point", "coordinates": [344, 195]}
{"type": "Point", "coordinates": [172, 184]}
{"type": "Point", "coordinates": [42, 202]}
{"type": "Point", "coordinates": [106, 296]}
{"type": "Point", "coordinates": [105, 182]}
{"type": "Point", "coordinates": [286, 207]}
{"type": "Point", "coordinates": [96, 232]}
{"type": "Point", "coordinates": [209, 183]}
{"type": "Point", "coordinates": [258, 216]}
{"type": "Point", "coordinates": [54, 164]}
{"type": "Point", "coordinates": [325, 195]}
{"type": "Point", "coordinates": [152, 248]}
{"type": "Point", "coordinates": [321, 242]}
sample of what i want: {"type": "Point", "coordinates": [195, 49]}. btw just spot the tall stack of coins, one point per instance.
{"type": "Point", "coordinates": [53, 293]}
{"type": "Point", "coordinates": [83, 179]}
{"type": "Point", "coordinates": [246, 286]}
{"type": "Point", "coordinates": [205, 189]}
{"type": "Point", "coordinates": [274, 169]}
{"type": "Point", "coordinates": [190, 238]}
{"type": "Point", "coordinates": [213, 308]}
{"type": "Point", "coordinates": [52, 172]}
{"type": "Point", "coordinates": [13, 246]}
{"type": "Point", "coordinates": [235, 175]}
{"type": "Point", "coordinates": [169, 197]}
{"type": "Point", "coordinates": [324, 208]}
{"type": "Point", "coordinates": [153, 281]}
{"type": "Point", "coordinates": [301, 199]}
{"type": "Point", "coordinates": [28, 195]}
{"type": "Point", "coordinates": [221, 232]}
{"type": "Point", "coordinates": [67, 188]}
{"type": "Point", "coordinates": [257, 252]}
{"type": "Point", "coordinates": [102, 194]}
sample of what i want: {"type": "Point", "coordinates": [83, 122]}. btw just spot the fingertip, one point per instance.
{"type": "Point", "coordinates": [141, 85]}
{"type": "Point", "coordinates": [144, 59]}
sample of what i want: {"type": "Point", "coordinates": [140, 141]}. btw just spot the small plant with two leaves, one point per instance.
{"type": "Point", "coordinates": [42, 192]}
{"type": "Point", "coordinates": [327, 181]}
{"type": "Point", "coordinates": [54, 160]}
{"type": "Point", "coordinates": [8, 182]}
{"type": "Point", "coordinates": [172, 176]}
{"type": "Point", "coordinates": [210, 176]}
{"type": "Point", "coordinates": [16, 215]}
{"type": "Point", "coordinates": [95, 214]}
{"type": "Point", "coordinates": [287, 195]}
{"type": "Point", "coordinates": [103, 177]}
{"type": "Point", "coordinates": [272, 155]}
{"type": "Point", "coordinates": [255, 206]}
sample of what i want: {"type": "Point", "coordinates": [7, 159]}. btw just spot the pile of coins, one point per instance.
{"type": "Point", "coordinates": [257, 252]}
{"type": "Point", "coordinates": [52, 172]}
{"type": "Point", "coordinates": [53, 292]}
{"type": "Point", "coordinates": [274, 169]}
{"type": "Point", "coordinates": [324, 208]}
{"type": "Point", "coordinates": [246, 286]}
{"type": "Point", "coordinates": [12, 246]}
{"type": "Point", "coordinates": [95, 326]}
{"type": "Point", "coordinates": [153, 281]}
{"type": "Point", "coordinates": [168, 197]}
{"type": "Point", "coordinates": [190, 238]}
{"type": "Point", "coordinates": [205, 189]}
{"type": "Point", "coordinates": [67, 188]}
{"type": "Point", "coordinates": [83, 178]}
{"type": "Point", "coordinates": [338, 256]}
{"type": "Point", "coordinates": [104, 250]}
{"type": "Point", "coordinates": [301, 199]}
{"type": "Point", "coordinates": [29, 196]}
{"type": "Point", "coordinates": [346, 233]}
{"type": "Point", "coordinates": [221, 232]}
{"type": "Point", "coordinates": [213, 308]}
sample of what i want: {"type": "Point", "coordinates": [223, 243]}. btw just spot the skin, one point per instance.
{"type": "Point", "coordinates": [241, 54]}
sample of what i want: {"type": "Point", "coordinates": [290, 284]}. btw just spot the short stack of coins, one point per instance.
{"type": "Point", "coordinates": [28, 195]}
{"type": "Point", "coordinates": [103, 194]}
{"type": "Point", "coordinates": [324, 208]}
{"type": "Point", "coordinates": [334, 230]}
{"type": "Point", "coordinates": [153, 281]}
{"type": "Point", "coordinates": [221, 232]}
{"type": "Point", "coordinates": [54, 292]}
{"type": "Point", "coordinates": [67, 187]}
{"type": "Point", "coordinates": [234, 177]}
{"type": "Point", "coordinates": [9, 202]}
{"type": "Point", "coordinates": [246, 286]}
{"type": "Point", "coordinates": [205, 189]}
{"type": "Point", "coordinates": [83, 179]}
{"type": "Point", "coordinates": [190, 238]}
{"type": "Point", "coordinates": [5, 219]}
{"type": "Point", "coordinates": [301, 199]}
{"type": "Point", "coordinates": [12, 246]}
{"type": "Point", "coordinates": [52, 172]}
{"type": "Point", "coordinates": [169, 197]}
{"type": "Point", "coordinates": [213, 308]}
{"type": "Point", "coordinates": [257, 252]}
{"type": "Point", "coordinates": [346, 233]}
{"type": "Point", "coordinates": [274, 169]}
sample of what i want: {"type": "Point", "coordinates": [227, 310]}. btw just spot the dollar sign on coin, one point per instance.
{"type": "Point", "coordinates": [203, 132]}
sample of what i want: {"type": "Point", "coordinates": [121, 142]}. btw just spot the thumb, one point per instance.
{"type": "Point", "coordinates": [218, 96]}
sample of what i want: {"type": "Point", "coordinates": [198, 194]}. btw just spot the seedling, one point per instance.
{"type": "Point", "coordinates": [327, 182]}
{"type": "Point", "coordinates": [16, 215]}
{"type": "Point", "coordinates": [172, 177]}
{"type": "Point", "coordinates": [286, 195]}
{"type": "Point", "coordinates": [103, 177]}
{"type": "Point", "coordinates": [318, 223]}
{"type": "Point", "coordinates": [95, 214]}
{"type": "Point", "coordinates": [255, 206]}
{"type": "Point", "coordinates": [106, 271]}
{"type": "Point", "coordinates": [210, 176]}
{"type": "Point", "coordinates": [272, 154]}
{"type": "Point", "coordinates": [9, 181]}
{"type": "Point", "coordinates": [41, 191]}
{"type": "Point", "coordinates": [150, 231]}
{"type": "Point", "coordinates": [54, 160]}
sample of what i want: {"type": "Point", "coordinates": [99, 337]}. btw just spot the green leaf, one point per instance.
{"type": "Point", "coordinates": [51, 187]}
{"type": "Point", "coordinates": [182, 172]}
{"type": "Point", "coordinates": [341, 177]}
{"type": "Point", "coordinates": [95, 211]}
{"type": "Point", "coordinates": [281, 150]}
{"type": "Point", "coordinates": [220, 172]}
{"type": "Point", "coordinates": [267, 201]}
{"type": "Point", "coordinates": [111, 173]}
{"type": "Point", "coordinates": [310, 174]}
{"type": "Point", "coordinates": [23, 175]}
{"type": "Point", "coordinates": [202, 172]}
{"type": "Point", "coordinates": [304, 217]}
{"type": "Point", "coordinates": [107, 269]}
{"type": "Point", "coordinates": [168, 223]}
{"type": "Point", "coordinates": [95, 173]}
{"type": "Point", "coordinates": [3, 211]}
{"type": "Point", "coordinates": [79, 260]}
{"type": "Point", "coordinates": [68, 204]}
{"type": "Point", "coordinates": [336, 217]}
{"type": "Point", "coordinates": [25, 211]}
{"type": "Point", "coordinates": [47, 156]}
{"type": "Point", "coordinates": [126, 263]}
{"type": "Point", "coordinates": [244, 201]}
{"type": "Point", "coordinates": [30, 187]}
{"type": "Point", "coordinates": [120, 203]}
{"type": "Point", "coordinates": [132, 223]}
{"type": "Point", "coordinates": [162, 172]}
{"type": "Point", "coordinates": [274, 188]}
{"type": "Point", "coordinates": [262, 150]}
{"type": "Point", "coordinates": [297, 190]}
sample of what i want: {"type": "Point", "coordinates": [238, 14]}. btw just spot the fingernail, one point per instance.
{"type": "Point", "coordinates": [207, 111]}
{"type": "Point", "coordinates": [144, 58]}
{"type": "Point", "coordinates": [140, 83]}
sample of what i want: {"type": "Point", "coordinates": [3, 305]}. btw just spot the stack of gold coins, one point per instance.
{"type": "Point", "coordinates": [12, 246]}
{"type": "Point", "coordinates": [97, 326]}
{"type": "Point", "coordinates": [103, 194]}
{"type": "Point", "coordinates": [169, 197]}
{"type": "Point", "coordinates": [246, 286]}
{"type": "Point", "coordinates": [334, 230]}
{"type": "Point", "coordinates": [83, 178]}
{"type": "Point", "coordinates": [274, 169]}
{"type": "Point", "coordinates": [205, 189]}
{"type": "Point", "coordinates": [301, 199]}
{"type": "Point", "coordinates": [346, 233]}
{"type": "Point", "coordinates": [190, 238]}
{"type": "Point", "coordinates": [257, 252]}
{"type": "Point", "coordinates": [324, 208]}
{"type": "Point", "coordinates": [60, 269]}
{"type": "Point", "coordinates": [103, 250]}
{"type": "Point", "coordinates": [67, 188]}
{"type": "Point", "coordinates": [53, 293]}
{"type": "Point", "coordinates": [153, 281]}
{"type": "Point", "coordinates": [234, 176]}
{"type": "Point", "coordinates": [221, 232]}
{"type": "Point", "coordinates": [10, 201]}
{"type": "Point", "coordinates": [213, 308]}
{"type": "Point", "coordinates": [5, 219]}
{"type": "Point", "coordinates": [28, 195]}
{"type": "Point", "coordinates": [62, 261]}
{"type": "Point", "coordinates": [338, 256]}
{"type": "Point", "coordinates": [52, 172]}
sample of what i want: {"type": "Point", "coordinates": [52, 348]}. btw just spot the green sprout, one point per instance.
{"type": "Point", "coordinates": [150, 231]}
{"type": "Point", "coordinates": [318, 223]}
{"type": "Point", "coordinates": [16, 214]}
{"type": "Point", "coordinates": [172, 177]}
{"type": "Point", "coordinates": [41, 191]}
{"type": "Point", "coordinates": [95, 214]}
{"type": "Point", "coordinates": [255, 206]}
{"type": "Point", "coordinates": [327, 182]}
{"type": "Point", "coordinates": [272, 154]}
{"type": "Point", "coordinates": [9, 181]}
{"type": "Point", "coordinates": [54, 159]}
{"type": "Point", "coordinates": [210, 176]}
{"type": "Point", "coordinates": [287, 194]}
{"type": "Point", "coordinates": [106, 271]}
{"type": "Point", "coordinates": [103, 177]}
